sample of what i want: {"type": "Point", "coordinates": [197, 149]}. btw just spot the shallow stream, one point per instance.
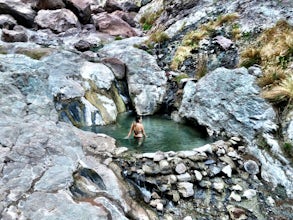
{"type": "Point", "coordinates": [163, 134]}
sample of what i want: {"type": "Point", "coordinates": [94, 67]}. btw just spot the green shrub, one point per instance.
{"type": "Point", "coordinates": [288, 148]}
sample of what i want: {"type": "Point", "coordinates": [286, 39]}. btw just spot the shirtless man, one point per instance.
{"type": "Point", "coordinates": [138, 130]}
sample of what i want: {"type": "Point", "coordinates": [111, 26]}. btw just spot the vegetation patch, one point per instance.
{"type": "Point", "coordinates": [3, 50]}
{"type": "Point", "coordinates": [288, 148]}
{"type": "Point", "coordinates": [180, 77]}
{"type": "Point", "coordinates": [36, 53]}
{"type": "Point", "coordinates": [191, 40]}
{"type": "Point", "coordinates": [148, 19]}
{"type": "Point", "coordinates": [273, 50]}
{"type": "Point", "coordinates": [157, 37]}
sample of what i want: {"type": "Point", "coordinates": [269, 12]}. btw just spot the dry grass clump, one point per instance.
{"type": "Point", "coordinates": [222, 19]}
{"type": "Point", "coordinates": [250, 56]}
{"type": "Point", "coordinates": [273, 51]}
{"type": "Point", "coordinates": [273, 76]}
{"type": "Point", "coordinates": [277, 41]}
{"type": "Point", "coordinates": [159, 36]}
{"type": "Point", "coordinates": [273, 48]}
{"type": "Point", "coordinates": [201, 67]}
{"type": "Point", "coordinates": [281, 92]}
{"type": "Point", "coordinates": [181, 54]}
{"type": "Point", "coordinates": [191, 40]}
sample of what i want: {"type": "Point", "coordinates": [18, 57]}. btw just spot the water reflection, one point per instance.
{"type": "Point", "coordinates": [163, 134]}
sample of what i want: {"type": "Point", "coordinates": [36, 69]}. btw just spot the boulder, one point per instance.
{"type": "Point", "coordinates": [18, 34]}
{"type": "Point", "coordinates": [49, 4]}
{"type": "Point", "coordinates": [22, 12]}
{"type": "Point", "coordinates": [7, 21]}
{"type": "Point", "coordinates": [113, 25]}
{"type": "Point", "coordinates": [58, 20]}
{"type": "Point", "coordinates": [80, 8]}
{"type": "Point", "coordinates": [146, 81]}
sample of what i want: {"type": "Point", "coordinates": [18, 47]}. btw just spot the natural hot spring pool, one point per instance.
{"type": "Point", "coordinates": [163, 134]}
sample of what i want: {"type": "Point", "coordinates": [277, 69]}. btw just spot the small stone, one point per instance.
{"type": "Point", "coordinates": [237, 139]}
{"type": "Point", "coordinates": [187, 218]}
{"type": "Point", "coordinates": [205, 184]}
{"type": "Point", "coordinates": [185, 177]}
{"type": "Point", "coordinates": [172, 179]}
{"type": "Point", "coordinates": [108, 161]}
{"type": "Point", "coordinates": [186, 189]}
{"type": "Point", "coordinates": [230, 149]}
{"type": "Point", "coordinates": [236, 213]}
{"type": "Point", "coordinates": [164, 164]}
{"type": "Point", "coordinates": [198, 175]}
{"type": "Point", "coordinates": [180, 168]}
{"type": "Point", "coordinates": [241, 149]}
{"type": "Point", "coordinates": [219, 186]}
{"type": "Point", "coordinates": [249, 194]}
{"type": "Point", "coordinates": [237, 188]}
{"type": "Point", "coordinates": [120, 150]}
{"type": "Point", "coordinates": [220, 152]}
{"type": "Point", "coordinates": [271, 201]}
{"type": "Point", "coordinates": [233, 154]}
{"type": "Point", "coordinates": [175, 196]}
{"type": "Point", "coordinates": [235, 197]}
{"type": "Point", "coordinates": [160, 207]}
{"type": "Point", "coordinates": [227, 170]}
{"type": "Point", "coordinates": [159, 156]}
{"type": "Point", "coordinates": [251, 167]}
{"type": "Point", "coordinates": [155, 195]}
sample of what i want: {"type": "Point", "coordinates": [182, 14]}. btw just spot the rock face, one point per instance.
{"type": "Point", "coordinates": [236, 105]}
{"type": "Point", "coordinates": [146, 81]}
{"type": "Point", "coordinates": [49, 169]}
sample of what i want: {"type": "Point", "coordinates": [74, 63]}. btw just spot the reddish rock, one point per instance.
{"type": "Point", "coordinates": [49, 4]}
{"type": "Point", "coordinates": [111, 6]}
{"type": "Point", "coordinates": [127, 17]}
{"type": "Point", "coordinates": [81, 8]}
{"type": "Point", "coordinates": [117, 66]}
{"type": "Point", "coordinates": [113, 25]}
{"type": "Point", "coordinates": [58, 21]}
{"type": "Point", "coordinates": [18, 34]}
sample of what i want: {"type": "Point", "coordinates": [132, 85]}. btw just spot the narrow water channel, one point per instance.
{"type": "Point", "coordinates": [163, 134]}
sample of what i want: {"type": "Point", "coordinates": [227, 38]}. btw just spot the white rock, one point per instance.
{"type": "Point", "coordinates": [180, 168]}
{"type": "Point", "coordinates": [237, 187]}
{"type": "Point", "coordinates": [198, 175]}
{"type": "Point", "coordinates": [235, 197]}
{"type": "Point", "coordinates": [185, 177]}
{"type": "Point", "coordinates": [249, 194]}
{"type": "Point", "coordinates": [160, 207]}
{"type": "Point", "coordinates": [227, 170]}
{"type": "Point", "coordinates": [186, 189]}
{"type": "Point", "coordinates": [271, 201]}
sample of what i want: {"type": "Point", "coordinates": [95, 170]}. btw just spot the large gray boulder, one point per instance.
{"type": "Point", "coordinates": [146, 81]}
{"type": "Point", "coordinates": [22, 12]}
{"type": "Point", "coordinates": [84, 92]}
{"type": "Point", "coordinates": [58, 20]}
{"type": "Point", "coordinates": [228, 102]}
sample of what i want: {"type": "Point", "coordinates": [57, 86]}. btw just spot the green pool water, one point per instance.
{"type": "Point", "coordinates": [163, 134]}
